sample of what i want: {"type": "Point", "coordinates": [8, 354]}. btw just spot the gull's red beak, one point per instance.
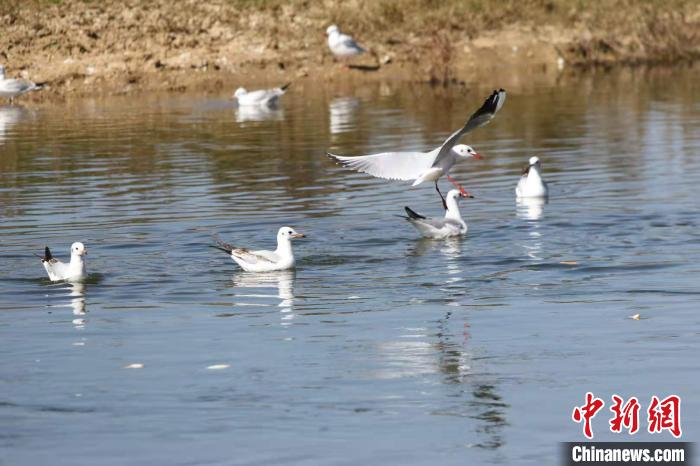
{"type": "Point", "coordinates": [464, 193]}
{"type": "Point", "coordinates": [477, 156]}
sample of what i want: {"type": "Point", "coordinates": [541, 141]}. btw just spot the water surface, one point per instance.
{"type": "Point", "coordinates": [381, 348]}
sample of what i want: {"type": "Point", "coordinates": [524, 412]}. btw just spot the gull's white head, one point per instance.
{"type": "Point", "coordinates": [534, 162]}
{"type": "Point", "coordinates": [240, 92]}
{"type": "Point", "coordinates": [288, 233]}
{"type": "Point", "coordinates": [332, 30]}
{"type": "Point", "coordinates": [78, 249]}
{"type": "Point", "coordinates": [464, 150]}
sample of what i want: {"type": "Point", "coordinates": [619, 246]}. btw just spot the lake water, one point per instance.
{"type": "Point", "coordinates": [381, 348]}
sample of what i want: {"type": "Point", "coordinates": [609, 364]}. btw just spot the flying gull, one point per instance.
{"type": "Point", "coordinates": [426, 166]}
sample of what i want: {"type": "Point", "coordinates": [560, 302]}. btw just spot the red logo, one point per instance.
{"type": "Point", "coordinates": [661, 415]}
{"type": "Point", "coordinates": [665, 415]}
{"type": "Point", "coordinates": [626, 416]}
{"type": "Point", "coordinates": [587, 412]}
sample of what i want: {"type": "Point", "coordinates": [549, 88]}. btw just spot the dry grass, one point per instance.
{"type": "Point", "coordinates": [59, 39]}
{"type": "Point", "coordinates": [620, 30]}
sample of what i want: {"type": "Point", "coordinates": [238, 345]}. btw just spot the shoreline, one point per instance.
{"type": "Point", "coordinates": [83, 49]}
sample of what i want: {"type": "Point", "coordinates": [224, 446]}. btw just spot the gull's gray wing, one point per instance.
{"type": "Point", "coordinates": [389, 165]}
{"type": "Point", "coordinates": [481, 117]}
{"type": "Point", "coordinates": [253, 257]}
{"type": "Point", "coordinates": [436, 223]}
{"type": "Point", "coordinates": [350, 43]}
{"type": "Point", "coordinates": [17, 85]}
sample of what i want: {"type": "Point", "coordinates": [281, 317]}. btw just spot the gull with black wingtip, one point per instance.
{"type": "Point", "coordinates": [450, 225]}
{"type": "Point", "coordinates": [10, 88]}
{"type": "Point", "coordinates": [281, 258]}
{"type": "Point", "coordinates": [426, 166]}
{"type": "Point", "coordinates": [72, 271]}
{"type": "Point", "coordinates": [260, 98]}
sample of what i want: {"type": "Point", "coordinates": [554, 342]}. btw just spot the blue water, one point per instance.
{"type": "Point", "coordinates": [381, 348]}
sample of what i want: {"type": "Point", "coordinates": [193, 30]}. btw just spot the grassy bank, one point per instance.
{"type": "Point", "coordinates": [114, 46]}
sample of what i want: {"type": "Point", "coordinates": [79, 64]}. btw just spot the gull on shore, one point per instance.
{"type": "Point", "coordinates": [342, 45]}
{"type": "Point", "coordinates": [450, 225]}
{"type": "Point", "coordinates": [426, 166]}
{"type": "Point", "coordinates": [281, 258]}
{"type": "Point", "coordinates": [531, 183]}
{"type": "Point", "coordinates": [10, 88]}
{"type": "Point", "coordinates": [260, 98]}
{"type": "Point", "coordinates": [72, 271]}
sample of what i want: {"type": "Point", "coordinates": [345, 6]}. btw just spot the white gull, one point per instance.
{"type": "Point", "coordinates": [11, 87]}
{"type": "Point", "coordinates": [451, 224]}
{"type": "Point", "coordinates": [262, 97]}
{"type": "Point", "coordinates": [531, 183]}
{"type": "Point", "coordinates": [426, 166]}
{"type": "Point", "coordinates": [74, 270]}
{"type": "Point", "coordinates": [281, 258]}
{"type": "Point", "coordinates": [342, 45]}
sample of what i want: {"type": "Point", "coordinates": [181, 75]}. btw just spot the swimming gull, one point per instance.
{"type": "Point", "coordinates": [281, 258]}
{"type": "Point", "coordinates": [262, 97]}
{"type": "Point", "coordinates": [531, 183]}
{"type": "Point", "coordinates": [74, 270]}
{"type": "Point", "coordinates": [438, 228]}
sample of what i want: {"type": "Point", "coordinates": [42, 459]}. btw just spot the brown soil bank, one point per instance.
{"type": "Point", "coordinates": [109, 46]}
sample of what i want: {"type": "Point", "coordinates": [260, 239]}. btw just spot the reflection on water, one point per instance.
{"type": "Point", "coordinates": [258, 113]}
{"type": "Point", "coordinates": [254, 285]}
{"type": "Point", "coordinates": [343, 114]}
{"type": "Point", "coordinates": [391, 348]}
{"type": "Point", "coordinates": [10, 116]}
{"type": "Point", "coordinates": [451, 250]}
{"type": "Point", "coordinates": [530, 208]}
{"type": "Point", "coordinates": [70, 295]}
{"type": "Point", "coordinates": [77, 302]}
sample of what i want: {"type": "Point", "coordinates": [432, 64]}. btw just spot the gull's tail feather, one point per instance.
{"type": "Point", "coordinates": [220, 249]}
{"type": "Point", "coordinates": [220, 244]}
{"type": "Point", "coordinates": [412, 215]}
{"type": "Point", "coordinates": [47, 255]}
{"type": "Point", "coordinates": [285, 87]}
{"type": "Point", "coordinates": [339, 159]}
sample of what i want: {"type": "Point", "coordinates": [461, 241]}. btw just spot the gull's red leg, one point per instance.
{"type": "Point", "coordinates": [459, 186]}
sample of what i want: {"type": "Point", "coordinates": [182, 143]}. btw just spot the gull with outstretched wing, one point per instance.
{"type": "Point", "coordinates": [426, 166]}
